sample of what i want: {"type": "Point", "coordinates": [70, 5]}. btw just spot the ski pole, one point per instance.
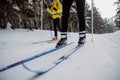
{"type": "Point", "coordinates": [92, 40]}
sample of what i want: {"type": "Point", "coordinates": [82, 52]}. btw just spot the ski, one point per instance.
{"type": "Point", "coordinates": [54, 64]}
{"type": "Point", "coordinates": [33, 57]}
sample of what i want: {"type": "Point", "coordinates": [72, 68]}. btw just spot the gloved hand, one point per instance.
{"type": "Point", "coordinates": [55, 9]}
{"type": "Point", "coordinates": [49, 6]}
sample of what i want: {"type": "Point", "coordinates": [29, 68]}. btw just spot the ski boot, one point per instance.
{"type": "Point", "coordinates": [82, 37]}
{"type": "Point", "coordinates": [62, 41]}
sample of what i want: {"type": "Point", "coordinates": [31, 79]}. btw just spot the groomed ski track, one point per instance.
{"type": "Point", "coordinates": [98, 60]}
{"type": "Point", "coordinates": [12, 65]}
{"type": "Point", "coordinates": [55, 63]}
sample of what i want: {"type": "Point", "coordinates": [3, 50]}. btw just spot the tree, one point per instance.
{"type": "Point", "coordinates": [6, 12]}
{"type": "Point", "coordinates": [117, 20]}
{"type": "Point", "coordinates": [14, 11]}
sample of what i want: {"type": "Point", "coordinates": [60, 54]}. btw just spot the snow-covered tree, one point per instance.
{"type": "Point", "coordinates": [118, 14]}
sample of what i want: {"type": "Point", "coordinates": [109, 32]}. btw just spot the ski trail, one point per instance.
{"type": "Point", "coordinates": [46, 60]}
{"type": "Point", "coordinates": [93, 64]}
{"type": "Point", "coordinates": [109, 47]}
{"type": "Point", "coordinates": [99, 60]}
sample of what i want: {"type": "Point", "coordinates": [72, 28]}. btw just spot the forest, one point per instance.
{"type": "Point", "coordinates": [32, 14]}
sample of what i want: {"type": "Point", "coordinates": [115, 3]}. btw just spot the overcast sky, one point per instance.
{"type": "Point", "coordinates": [106, 7]}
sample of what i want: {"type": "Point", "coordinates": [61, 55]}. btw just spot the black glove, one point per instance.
{"type": "Point", "coordinates": [55, 9]}
{"type": "Point", "coordinates": [49, 6]}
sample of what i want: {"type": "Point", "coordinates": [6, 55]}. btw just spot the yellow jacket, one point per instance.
{"type": "Point", "coordinates": [55, 9]}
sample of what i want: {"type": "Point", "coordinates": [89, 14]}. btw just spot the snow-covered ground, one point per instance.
{"type": "Point", "coordinates": [98, 60]}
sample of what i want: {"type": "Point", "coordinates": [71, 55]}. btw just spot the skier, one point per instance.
{"type": "Point", "coordinates": [80, 12]}
{"type": "Point", "coordinates": [55, 10]}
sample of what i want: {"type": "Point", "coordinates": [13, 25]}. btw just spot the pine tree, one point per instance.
{"type": "Point", "coordinates": [6, 12]}
{"type": "Point", "coordinates": [118, 14]}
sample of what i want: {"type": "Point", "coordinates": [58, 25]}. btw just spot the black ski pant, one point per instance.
{"type": "Point", "coordinates": [80, 13]}
{"type": "Point", "coordinates": [56, 24]}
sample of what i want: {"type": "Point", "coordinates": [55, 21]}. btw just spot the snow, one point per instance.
{"type": "Point", "coordinates": [98, 60]}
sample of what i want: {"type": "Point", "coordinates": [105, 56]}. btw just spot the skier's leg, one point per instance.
{"type": "Point", "coordinates": [58, 24]}
{"type": "Point", "coordinates": [66, 9]}
{"type": "Point", "coordinates": [81, 17]}
{"type": "Point", "coordinates": [81, 14]}
{"type": "Point", "coordinates": [55, 28]}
